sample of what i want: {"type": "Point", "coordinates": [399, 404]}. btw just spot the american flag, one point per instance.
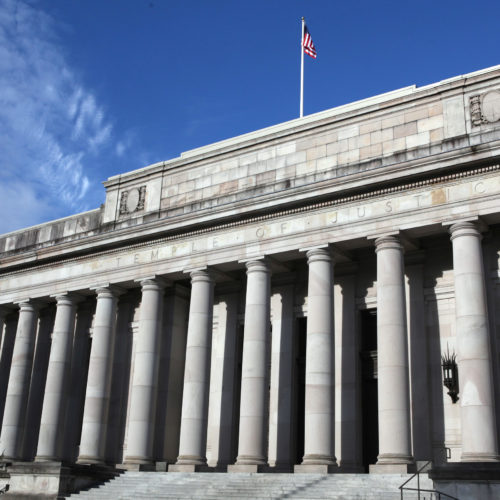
{"type": "Point", "coordinates": [308, 44]}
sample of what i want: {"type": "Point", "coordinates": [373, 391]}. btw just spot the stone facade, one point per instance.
{"type": "Point", "coordinates": [276, 301]}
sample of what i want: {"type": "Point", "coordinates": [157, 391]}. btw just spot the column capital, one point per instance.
{"type": "Point", "coordinates": [198, 275]}
{"type": "Point", "coordinates": [153, 282]}
{"type": "Point", "coordinates": [68, 298]}
{"type": "Point", "coordinates": [319, 254]}
{"type": "Point", "coordinates": [107, 290]}
{"type": "Point", "coordinates": [464, 228]}
{"type": "Point", "coordinates": [325, 246]}
{"type": "Point", "coordinates": [260, 265]}
{"type": "Point", "coordinates": [27, 305]}
{"type": "Point", "coordinates": [388, 242]}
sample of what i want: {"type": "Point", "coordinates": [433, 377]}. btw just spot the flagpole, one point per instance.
{"type": "Point", "coordinates": [302, 71]}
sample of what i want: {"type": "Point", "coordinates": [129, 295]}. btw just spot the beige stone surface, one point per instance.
{"type": "Point", "coordinates": [213, 371]}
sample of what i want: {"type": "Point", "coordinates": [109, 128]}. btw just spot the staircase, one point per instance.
{"type": "Point", "coordinates": [152, 485]}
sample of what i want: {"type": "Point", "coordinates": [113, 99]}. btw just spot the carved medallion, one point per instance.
{"type": "Point", "coordinates": [132, 200]}
{"type": "Point", "coordinates": [485, 108]}
{"type": "Point", "coordinates": [491, 106]}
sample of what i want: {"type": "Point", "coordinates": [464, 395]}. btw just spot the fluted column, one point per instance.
{"type": "Point", "coordinates": [254, 379]}
{"type": "Point", "coordinates": [392, 344]}
{"type": "Point", "coordinates": [319, 447]}
{"type": "Point", "coordinates": [145, 377]}
{"type": "Point", "coordinates": [93, 439]}
{"type": "Point", "coordinates": [479, 437]}
{"type": "Point", "coordinates": [19, 382]}
{"type": "Point", "coordinates": [193, 435]}
{"type": "Point", "coordinates": [56, 386]}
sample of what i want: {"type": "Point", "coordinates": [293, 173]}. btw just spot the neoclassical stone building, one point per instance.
{"type": "Point", "coordinates": [278, 300]}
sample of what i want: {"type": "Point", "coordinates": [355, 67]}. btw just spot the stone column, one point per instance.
{"type": "Point", "coordinates": [145, 377]}
{"type": "Point", "coordinates": [193, 436]}
{"type": "Point", "coordinates": [56, 387]}
{"type": "Point", "coordinates": [93, 439]}
{"type": "Point", "coordinates": [254, 381]}
{"type": "Point", "coordinates": [392, 345]}
{"type": "Point", "coordinates": [11, 439]}
{"type": "Point", "coordinates": [319, 439]}
{"type": "Point", "coordinates": [479, 437]}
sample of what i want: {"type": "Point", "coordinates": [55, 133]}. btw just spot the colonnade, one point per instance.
{"type": "Point", "coordinates": [479, 442]}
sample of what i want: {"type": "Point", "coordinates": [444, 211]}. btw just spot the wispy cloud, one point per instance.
{"type": "Point", "coordinates": [51, 125]}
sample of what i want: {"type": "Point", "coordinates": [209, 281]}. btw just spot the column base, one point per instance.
{"type": "Point", "coordinates": [392, 468]}
{"type": "Point", "coordinates": [479, 457]}
{"type": "Point", "coordinates": [145, 467]}
{"type": "Point", "coordinates": [248, 468]}
{"type": "Point", "coordinates": [196, 460]}
{"type": "Point", "coordinates": [316, 459]}
{"type": "Point", "coordinates": [188, 468]}
{"type": "Point", "coordinates": [315, 468]}
{"type": "Point", "coordinates": [394, 458]}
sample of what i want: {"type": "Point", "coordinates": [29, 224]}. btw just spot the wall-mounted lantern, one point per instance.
{"type": "Point", "coordinates": [450, 374]}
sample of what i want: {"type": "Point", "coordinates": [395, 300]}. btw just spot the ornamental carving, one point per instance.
{"type": "Point", "coordinates": [132, 200]}
{"type": "Point", "coordinates": [485, 108]}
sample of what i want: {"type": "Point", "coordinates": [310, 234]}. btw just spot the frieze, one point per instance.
{"type": "Point", "coordinates": [485, 108]}
{"type": "Point", "coordinates": [132, 200]}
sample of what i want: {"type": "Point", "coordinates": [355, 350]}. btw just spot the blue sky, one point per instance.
{"type": "Point", "coordinates": [93, 88]}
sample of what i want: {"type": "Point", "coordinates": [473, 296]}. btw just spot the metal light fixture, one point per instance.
{"type": "Point", "coordinates": [450, 374]}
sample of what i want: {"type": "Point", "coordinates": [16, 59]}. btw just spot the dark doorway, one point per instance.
{"type": "Point", "coordinates": [299, 387]}
{"type": "Point", "coordinates": [369, 388]}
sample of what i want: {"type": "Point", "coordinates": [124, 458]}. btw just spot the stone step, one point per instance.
{"type": "Point", "coordinates": [137, 485]}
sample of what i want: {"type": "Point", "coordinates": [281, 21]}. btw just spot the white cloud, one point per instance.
{"type": "Point", "coordinates": [51, 126]}
{"type": "Point", "coordinates": [120, 148]}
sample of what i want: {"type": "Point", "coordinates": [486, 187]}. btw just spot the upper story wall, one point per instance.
{"type": "Point", "coordinates": [394, 135]}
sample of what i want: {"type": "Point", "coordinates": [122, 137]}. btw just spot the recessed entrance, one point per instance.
{"type": "Point", "coordinates": [369, 387]}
